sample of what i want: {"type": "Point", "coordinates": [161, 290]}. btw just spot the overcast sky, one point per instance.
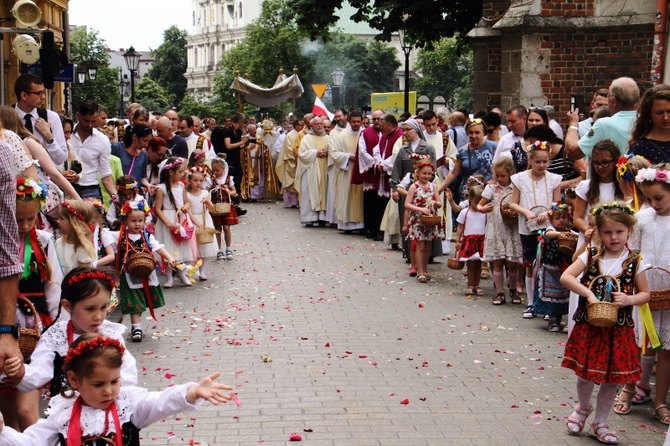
{"type": "Point", "coordinates": [121, 23]}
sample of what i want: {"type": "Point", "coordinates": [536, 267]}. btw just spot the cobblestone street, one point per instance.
{"type": "Point", "coordinates": [326, 335]}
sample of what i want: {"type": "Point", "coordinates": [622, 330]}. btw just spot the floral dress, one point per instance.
{"type": "Point", "coordinates": [418, 231]}
{"type": "Point", "coordinates": [502, 239]}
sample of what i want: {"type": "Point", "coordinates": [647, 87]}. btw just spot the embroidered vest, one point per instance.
{"type": "Point", "coordinates": [131, 437]}
{"type": "Point", "coordinates": [626, 281]}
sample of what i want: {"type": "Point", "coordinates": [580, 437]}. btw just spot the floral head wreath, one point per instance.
{"type": "Point", "coordinates": [122, 187]}
{"type": "Point", "coordinates": [558, 206]}
{"type": "Point", "coordinates": [89, 346]}
{"type": "Point", "coordinates": [91, 275]}
{"type": "Point", "coordinates": [73, 211]}
{"type": "Point", "coordinates": [139, 205]}
{"type": "Point", "coordinates": [418, 156]}
{"type": "Point", "coordinates": [622, 167]}
{"type": "Point", "coordinates": [614, 205]}
{"type": "Point", "coordinates": [29, 188]}
{"type": "Point", "coordinates": [539, 145]}
{"type": "Point", "coordinates": [477, 180]}
{"type": "Point", "coordinates": [172, 165]}
{"type": "Point", "coordinates": [199, 155]}
{"type": "Point", "coordinates": [651, 174]}
{"type": "Point", "coordinates": [198, 169]}
{"type": "Point", "coordinates": [98, 206]}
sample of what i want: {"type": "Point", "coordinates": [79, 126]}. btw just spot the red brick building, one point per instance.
{"type": "Point", "coordinates": [543, 51]}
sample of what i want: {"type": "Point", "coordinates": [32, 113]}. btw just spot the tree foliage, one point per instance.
{"type": "Point", "coordinates": [151, 95]}
{"type": "Point", "coordinates": [86, 50]}
{"type": "Point", "coordinates": [447, 71]}
{"type": "Point", "coordinates": [425, 22]}
{"type": "Point", "coordinates": [170, 64]}
{"type": "Point", "coordinates": [274, 41]}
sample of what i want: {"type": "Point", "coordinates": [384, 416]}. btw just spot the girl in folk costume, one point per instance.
{"type": "Point", "coordinates": [470, 237]}
{"type": "Point", "coordinates": [39, 283]}
{"type": "Point", "coordinates": [99, 409]}
{"type": "Point", "coordinates": [75, 247]}
{"type": "Point", "coordinates": [127, 190]}
{"type": "Point", "coordinates": [422, 199]}
{"type": "Point", "coordinates": [627, 168]}
{"type": "Point", "coordinates": [138, 293]}
{"type": "Point", "coordinates": [85, 295]}
{"type": "Point", "coordinates": [605, 355]}
{"type": "Point", "coordinates": [551, 297]}
{"type": "Point", "coordinates": [502, 245]}
{"type": "Point", "coordinates": [223, 188]}
{"type": "Point", "coordinates": [651, 237]}
{"type": "Point", "coordinates": [534, 191]}
{"type": "Point", "coordinates": [200, 207]}
{"type": "Point", "coordinates": [104, 240]}
{"type": "Point", "coordinates": [199, 159]}
{"type": "Point", "coordinates": [172, 208]}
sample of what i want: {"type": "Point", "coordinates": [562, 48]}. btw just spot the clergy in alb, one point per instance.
{"type": "Point", "coordinates": [348, 197]}
{"type": "Point", "coordinates": [312, 174]}
{"type": "Point", "coordinates": [287, 163]}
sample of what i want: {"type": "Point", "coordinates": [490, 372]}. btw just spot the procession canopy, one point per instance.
{"type": "Point", "coordinates": [284, 89]}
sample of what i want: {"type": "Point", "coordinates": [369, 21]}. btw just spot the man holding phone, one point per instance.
{"type": "Point", "coordinates": [599, 100]}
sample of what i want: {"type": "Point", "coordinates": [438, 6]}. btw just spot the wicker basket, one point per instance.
{"type": "Point", "coordinates": [222, 208]}
{"type": "Point", "coordinates": [660, 299]}
{"type": "Point", "coordinates": [567, 242]}
{"type": "Point", "coordinates": [140, 264]}
{"type": "Point", "coordinates": [205, 235]}
{"type": "Point", "coordinates": [533, 225]}
{"type": "Point", "coordinates": [28, 336]}
{"type": "Point", "coordinates": [509, 216]}
{"type": "Point", "coordinates": [431, 220]}
{"type": "Point", "coordinates": [98, 441]}
{"type": "Point", "coordinates": [603, 313]}
{"type": "Point", "coordinates": [455, 264]}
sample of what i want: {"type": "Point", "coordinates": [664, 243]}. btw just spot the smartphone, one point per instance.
{"type": "Point", "coordinates": [577, 102]}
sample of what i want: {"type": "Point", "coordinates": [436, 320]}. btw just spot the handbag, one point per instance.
{"type": "Point", "coordinates": [183, 231]}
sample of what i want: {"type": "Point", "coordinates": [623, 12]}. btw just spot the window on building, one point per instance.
{"type": "Point", "coordinates": [239, 10]}
{"type": "Point", "coordinates": [211, 54]}
{"type": "Point", "coordinates": [195, 57]}
{"type": "Point", "coordinates": [193, 18]}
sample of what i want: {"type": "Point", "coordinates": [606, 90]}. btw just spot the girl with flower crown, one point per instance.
{"type": "Point", "coordinates": [99, 409]}
{"type": "Point", "coordinates": [136, 293]}
{"type": "Point", "coordinates": [201, 205]}
{"type": "Point", "coordinates": [172, 209]}
{"type": "Point", "coordinates": [85, 296]}
{"type": "Point", "coordinates": [127, 190]}
{"type": "Point", "coordinates": [75, 247]}
{"type": "Point", "coordinates": [199, 159]}
{"type": "Point", "coordinates": [551, 297]}
{"type": "Point", "coordinates": [651, 238]}
{"type": "Point", "coordinates": [40, 284]}
{"type": "Point", "coordinates": [534, 191]}
{"type": "Point", "coordinates": [607, 356]}
{"type": "Point", "coordinates": [627, 167]}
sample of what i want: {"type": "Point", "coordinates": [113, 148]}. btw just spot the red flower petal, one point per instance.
{"type": "Point", "coordinates": [405, 401]}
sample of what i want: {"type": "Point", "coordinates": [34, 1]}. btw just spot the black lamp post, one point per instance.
{"type": "Point", "coordinates": [338, 77]}
{"type": "Point", "coordinates": [123, 86]}
{"type": "Point", "coordinates": [406, 48]}
{"type": "Point", "coordinates": [132, 62]}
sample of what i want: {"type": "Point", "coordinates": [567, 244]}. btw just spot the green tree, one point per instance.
{"type": "Point", "coordinates": [447, 71]}
{"type": "Point", "coordinates": [426, 22]}
{"type": "Point", "coordinates": [151, 95]}
{"type": "Point", "coordinates": [87, 50]}
{"type": "Point", "coordinates": [170, 64]}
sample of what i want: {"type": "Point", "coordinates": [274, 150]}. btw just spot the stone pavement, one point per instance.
{"type": "Point", "coordinates": [325, 335]}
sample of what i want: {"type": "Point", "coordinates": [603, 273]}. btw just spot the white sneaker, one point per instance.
{"type": "Point", "coordinates": [181, 275]}
{"type": "Point", "coordinates": [229, 254]}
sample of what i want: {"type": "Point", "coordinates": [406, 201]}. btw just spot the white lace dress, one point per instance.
{"type": "Point", "coordinates": [134, 404]}
{"type": "Point", "coordinates": [652, 238]}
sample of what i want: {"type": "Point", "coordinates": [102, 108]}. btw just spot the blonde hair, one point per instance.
{"type": "Point", "coordinates": [475, 193]}
{"type": "Point", "coordinates": [82, 229]}
{"type": "Point", "coordinates": [615, 215]}
{"type": "Point", "coordinates": [506, 163]}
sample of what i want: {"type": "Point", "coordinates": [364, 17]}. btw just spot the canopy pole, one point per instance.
{"type": "Point", "coordinates": [295, 73]}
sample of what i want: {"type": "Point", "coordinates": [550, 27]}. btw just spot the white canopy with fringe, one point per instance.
{"type": "Point", "coordinates": [284, 89]}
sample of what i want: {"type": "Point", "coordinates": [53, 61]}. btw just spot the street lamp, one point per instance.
{"type": "Point", "coordinates": [132, 62]}
{"type": "Point", "coordinates": [92, 72]}
{"type": "Point", "coordinates": [81, 76]}
{"type": "Point", "coordinates": [123, 87]}
{"type": "Point", "coordinates": [406, 48]}
{"type": "Point", "coordinates": [338, 77]}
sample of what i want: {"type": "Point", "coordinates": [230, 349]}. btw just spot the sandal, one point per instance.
{"type": "Point", "coordinates": [485, 274]}
{"type": "Point", "coordinates": [422, 278]}
{"type": "Point", "coordinates": [642, 394]}
{"type": "Point", "coordinates": [499, 299]}
{"type": "Point", "coordinates": [662, 414]}
{"type": "Point", "coordinates": [478, 291]}
{"type": "Point", "coordinates": [621, 406]}
{"type": "Point", "coordinates": [576, 420]}
{"type": "Point", "coordinates": [468, 291]}
{"type": "Point", "coordinates": [514, 297]}
{"type": "Point", "coordinates": [603, 434]}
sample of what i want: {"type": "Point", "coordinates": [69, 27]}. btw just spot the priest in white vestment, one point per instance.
{"type": "Point", "coordinates": [341, 124]}
{"type": "Point", "coordinates": [312, 174]}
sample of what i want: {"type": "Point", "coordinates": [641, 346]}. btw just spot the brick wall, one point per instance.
{"type": "Point", "coordinates": [568, 8]}
{"type": "Point", "coordinates": [495, 8]}
{"type": "Point", "coordinates": [582, 62]}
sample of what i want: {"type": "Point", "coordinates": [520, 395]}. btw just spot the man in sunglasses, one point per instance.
{"type": "Point", "coordinates": [44, 124]}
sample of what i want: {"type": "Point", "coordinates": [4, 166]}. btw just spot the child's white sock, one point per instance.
{"type": "Point", "coordinates": [529, 289]}
{"type": "Point", "coordinates": [647, 367]}
{"type": "Point", "coordinates": [136, 327]}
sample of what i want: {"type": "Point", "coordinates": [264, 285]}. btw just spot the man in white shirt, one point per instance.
{"type": "Point", "coordinates": [44, 124]}
{"type": "Point", "coordinates": [193, 140]}
{"type": "Point", "coordinates": [94, 151]}
{"type": "Point", "coordinates": [516, 122]}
